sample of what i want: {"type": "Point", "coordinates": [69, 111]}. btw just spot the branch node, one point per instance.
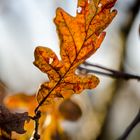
{"type": "Point", "coordinates": [36, 118]}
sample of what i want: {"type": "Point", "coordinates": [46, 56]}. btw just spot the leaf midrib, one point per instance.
{"type": "Point", "coordinates": [63, 77]}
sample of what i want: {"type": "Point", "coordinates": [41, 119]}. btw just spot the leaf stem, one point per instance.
{"type": "Point", "coordinates": [36, 118]}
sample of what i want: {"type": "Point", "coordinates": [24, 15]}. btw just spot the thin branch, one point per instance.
{"type": "Point", "coordinates": [130, 127]}
{"type": "Point", "coordinates": [94, 71]}
{"type": "Point", "coordinates": [36, 118]}
{"type": "Point", "coordinates": [109, 72]}
{"type": "Point", "coordinates": [119, 75]}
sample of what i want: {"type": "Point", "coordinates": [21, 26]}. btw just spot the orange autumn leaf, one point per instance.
{"type": "Point", "coordinates": [80, 37]}
{"type": "Point", "coordinates": [21, 101]}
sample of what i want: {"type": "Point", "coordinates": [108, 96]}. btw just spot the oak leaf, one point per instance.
{"type": "Point", "coordinates": [11, 122]}
{"type": "Point", "coordinates": [80, 37]}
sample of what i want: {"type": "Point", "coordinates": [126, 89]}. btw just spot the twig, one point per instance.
{"type": "Point", "coordinates": [130, 127]}
{"type": "Point", "coordinates": [109, 72]}
{"type": "Point", "coordinates": [36, 118]}
{"type": "Point", "coordinates": [95, 71]}
{"type": "Point", "coordinates": [119, 75]}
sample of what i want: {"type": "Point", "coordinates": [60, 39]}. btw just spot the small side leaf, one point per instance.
{"type": "Point", "coordinates": [11, 122]}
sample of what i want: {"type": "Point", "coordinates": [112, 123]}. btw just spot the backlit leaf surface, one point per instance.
{"type": "Point", "coordinates": [80, 37]}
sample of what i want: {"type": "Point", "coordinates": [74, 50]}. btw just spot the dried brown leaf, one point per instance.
{"type": "Point", "coordinates": [11, 122]}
